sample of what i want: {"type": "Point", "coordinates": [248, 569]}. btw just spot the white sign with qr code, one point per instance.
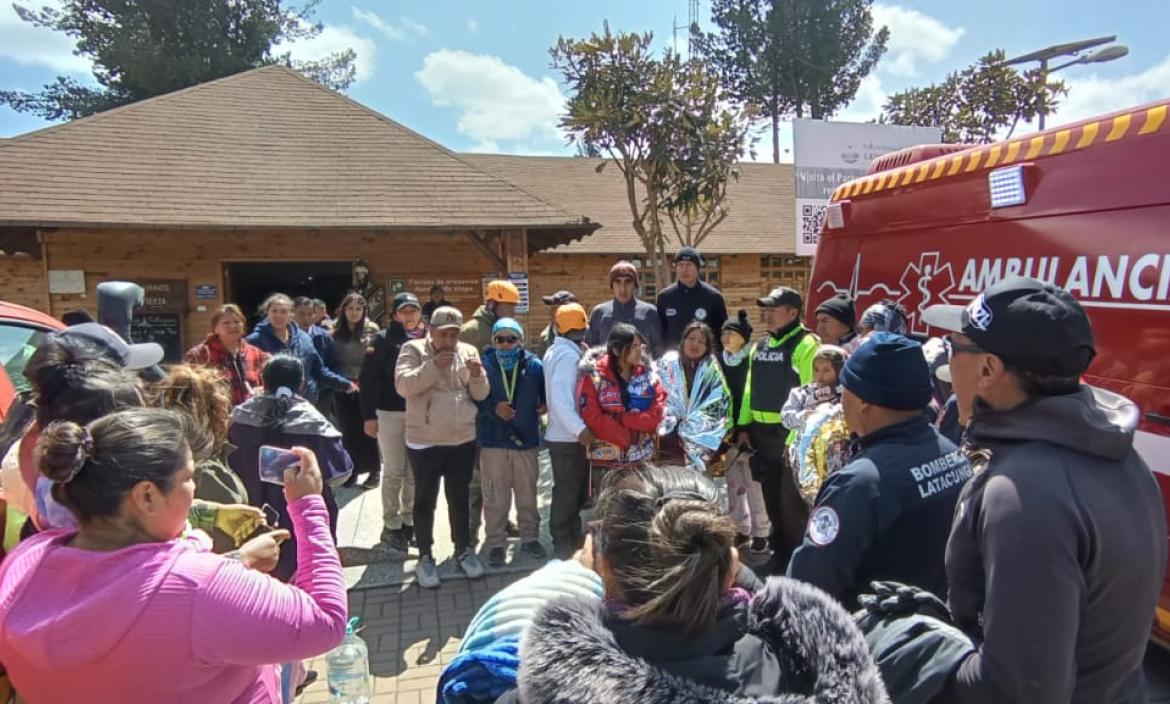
{"type": "Point", "coordinates": [828, 154]}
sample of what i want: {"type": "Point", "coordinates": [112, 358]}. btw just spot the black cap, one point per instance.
{"type": "Point", "coordinates": [841, 308]}
{"type": "Point", "coordinates": [782, 296]}
{"type": "Point", "coordinates": [689, 254]}
{"type": "Point", "coordinates": [404, 299]}
{"type": "Point", "coordinates": [1031, 325]}
{"type": "Point", "coordinates": [559, 298]}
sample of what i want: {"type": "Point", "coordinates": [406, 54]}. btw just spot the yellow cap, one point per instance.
{"type": "Point", "coordinates": [570, 317]}
{"type": "Point", "coordinates": [503, 291]}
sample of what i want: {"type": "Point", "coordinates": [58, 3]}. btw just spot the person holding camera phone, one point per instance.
{"type": "Point", "coordinates": [508, 428]}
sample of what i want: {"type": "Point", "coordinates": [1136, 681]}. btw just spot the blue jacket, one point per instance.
{"type": "Point", "coordinates": [326, 347]}
{"type": "Point", "coordinates": [886, 515]}
{"type": "Point", "coordinates": [495, 432]}
{"type": "Point", "coordinates": [300, 345]}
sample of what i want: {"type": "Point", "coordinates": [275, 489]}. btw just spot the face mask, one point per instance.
{"type": "Point", "coordinates": [508, 358]}
{"type": "Point", "coordinates": [734, 360]}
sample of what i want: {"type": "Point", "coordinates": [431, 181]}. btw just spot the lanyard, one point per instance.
{"type": "Point", "coordinates": [510, 384]}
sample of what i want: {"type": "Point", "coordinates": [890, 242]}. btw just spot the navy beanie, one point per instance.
{"type": "Point", "coordinates": [890, 371]}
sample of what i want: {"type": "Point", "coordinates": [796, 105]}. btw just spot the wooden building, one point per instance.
{"type": "Point", "coordinates": [266, 181]}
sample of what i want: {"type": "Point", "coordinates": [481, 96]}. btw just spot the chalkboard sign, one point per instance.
{"type": "Point", "coordinates": [164, 328]}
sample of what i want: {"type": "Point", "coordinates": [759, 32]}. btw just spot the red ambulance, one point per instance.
{"type": "Point", "coordinates": [1085, 206]}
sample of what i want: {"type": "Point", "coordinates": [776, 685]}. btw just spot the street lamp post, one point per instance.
{"type": "Point", "coordinates": [1043, 56]}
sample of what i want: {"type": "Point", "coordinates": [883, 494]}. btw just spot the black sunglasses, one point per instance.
{"type": "Point", "coordinates": [952, 347]}
{"type": "Point", "coordinates": [501, 340]}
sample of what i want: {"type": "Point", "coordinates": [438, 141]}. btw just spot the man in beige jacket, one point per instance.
{"type": "Point", "coordinates": [441, 378]}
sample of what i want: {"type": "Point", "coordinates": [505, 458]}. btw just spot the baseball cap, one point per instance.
{"type": "Point", "coordinates": [404, 299]}
{"type": "Point", "coordinates": [503, 291]}
{"type": "Point", "coordinates": [132, 357]}
{"type": "Point", "coordinates": [570, 317]}
{"type": "Point", "coordinates": [782, 296]}
{"type": "Point", "coordinates": [1029, 324]}
{"type": "Point", "coordinates": [559, 298]}
{"type": "Point", "coordinates": [446, 317]}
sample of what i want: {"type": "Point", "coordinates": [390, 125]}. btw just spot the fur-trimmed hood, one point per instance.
{"type": "Point", "coordinates": [570, 655]}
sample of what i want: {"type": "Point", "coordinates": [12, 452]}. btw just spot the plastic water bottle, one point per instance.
{"type": "Point", "coordinates": [349, 669]}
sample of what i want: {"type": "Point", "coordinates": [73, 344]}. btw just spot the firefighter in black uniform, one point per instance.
{"type": "Point", "coordinates": [887, 514]}
{"type": "Point", "coordinates": [688, 299]}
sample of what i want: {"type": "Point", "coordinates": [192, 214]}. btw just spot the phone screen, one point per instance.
{"type": "Point", "coordinates": [273, 462]}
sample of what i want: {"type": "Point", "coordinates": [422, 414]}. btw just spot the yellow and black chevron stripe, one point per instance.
{"type": "Point", "coordinates": [1049, 143]}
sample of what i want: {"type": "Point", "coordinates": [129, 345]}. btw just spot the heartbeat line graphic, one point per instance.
{"type": "Point", "coordinates": [854, 289]}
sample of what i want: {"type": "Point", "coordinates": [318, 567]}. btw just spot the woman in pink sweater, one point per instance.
{"type": "Point", "coordinates": [128, 609]}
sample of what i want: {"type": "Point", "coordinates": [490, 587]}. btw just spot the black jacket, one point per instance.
{"type": "Point", "coordinates": [679, 305]}
{"type": "Point", "coordinates": [1057, 554]}
{"type": "Point", "coordinates": [790, 645]}
{"type": "Point", "coordinates": [377, 376]}
{"type": "Point", "coordinates": [885, 515]}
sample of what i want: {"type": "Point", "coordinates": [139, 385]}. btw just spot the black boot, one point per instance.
{"type": "Point", "coordinates": [373, 480]}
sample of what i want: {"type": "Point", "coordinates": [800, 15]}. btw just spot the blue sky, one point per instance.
{"type": "Point", "coordinates": [475, 76]}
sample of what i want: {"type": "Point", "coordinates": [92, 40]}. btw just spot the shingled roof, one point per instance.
{"type": "Point", "coordinates": [264, 148]}
{"type": "Point", "coordinates": [761, 208]}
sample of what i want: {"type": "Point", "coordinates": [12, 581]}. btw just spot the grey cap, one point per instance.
{"type": "Point", "coordinates": [446, 317]}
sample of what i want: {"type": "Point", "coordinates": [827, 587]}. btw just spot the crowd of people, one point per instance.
{"type": "Point", "coordinates": [963, 496]}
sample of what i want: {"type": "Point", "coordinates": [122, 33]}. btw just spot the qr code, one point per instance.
{"type": "Point", "coordinates": [812, 217]}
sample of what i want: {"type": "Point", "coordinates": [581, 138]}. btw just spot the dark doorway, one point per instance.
{"type": "Point", "coordinates": [249, 283]}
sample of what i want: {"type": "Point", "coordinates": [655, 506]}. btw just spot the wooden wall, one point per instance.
{"type": "Point", "coordinates": [198, 257]}
{"type": "Point", "coordinates": [22, 280]}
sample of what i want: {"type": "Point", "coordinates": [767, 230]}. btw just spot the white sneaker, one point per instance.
{"type": "Point", "coordinates": [471, 565]}
{"type": "Point", "coordinates": [427, 574]}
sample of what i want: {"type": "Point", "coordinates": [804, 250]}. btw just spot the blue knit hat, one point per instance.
{"type": "Point", "coordinates": [508, 324]}
{"type": "Point", "coordinates": [890, 371]}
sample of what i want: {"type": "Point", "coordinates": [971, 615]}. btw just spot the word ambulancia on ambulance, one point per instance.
{"type": "Point", "coordinates": [1084, 206]}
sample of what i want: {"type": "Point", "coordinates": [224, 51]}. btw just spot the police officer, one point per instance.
{"type": "Point", "coordinates": [1058, 549]}
{"type": "Point", "coordinates": [885, 515]}
{"type": "Point", "coordinates": [777, 364]}
{"type": "Point", "coordinates": [688, 299]}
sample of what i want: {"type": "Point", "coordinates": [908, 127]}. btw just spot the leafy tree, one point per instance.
{"type": "Point", "coordinates": [143, 48]}
{"type": "Point", "coordinates": [975, 104]}
{"type": "Point", "coordinates": [666, 123]}
{"type": "Point", "coordinates": [792, 57]}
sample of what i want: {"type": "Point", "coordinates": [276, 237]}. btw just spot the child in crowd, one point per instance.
{"type": "Point", "coordinates": [810, 412]}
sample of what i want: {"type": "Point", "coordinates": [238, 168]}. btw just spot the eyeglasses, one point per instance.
{"type": "Point", "coordinates": [953, 347]}
{"type": "Point", "coordinates": [506, 340]}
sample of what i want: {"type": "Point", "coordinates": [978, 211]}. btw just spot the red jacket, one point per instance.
{"type": "Point", "coordinates": [625, 434]}
{"type": "Point", "coordinates": [241, 369]}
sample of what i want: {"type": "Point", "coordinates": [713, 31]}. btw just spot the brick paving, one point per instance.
{"type": "Point", "coordinates": [412, 634]}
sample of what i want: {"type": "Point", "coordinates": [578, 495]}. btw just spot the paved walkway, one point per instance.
{"type": "Point", "coordinates": [412, 634]}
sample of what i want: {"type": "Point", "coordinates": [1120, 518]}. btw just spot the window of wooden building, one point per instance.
{"type": "Point", "coordinates": [785, 270]}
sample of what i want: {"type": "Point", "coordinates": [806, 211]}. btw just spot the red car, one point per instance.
{"type": "Point", "coordinates": [21, 330]}
{"type": "Point", "coordinates": [1085, 206]}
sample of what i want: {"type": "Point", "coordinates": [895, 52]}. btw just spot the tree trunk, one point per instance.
{"type": "Point", "coordinates": [661, 269]}
{"type": "Point", "coordinates": [775, 136]}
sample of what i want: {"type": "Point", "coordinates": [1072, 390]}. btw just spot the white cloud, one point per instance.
{"type": "Point", "coordinates": [335, 38]}
{"type": "Point", "coordinates": [914, 38]}
{"type": "Point", "coordinates": [496, 101]}
{"type": "Point", "coordinates": [406, 28]}
{"type": "Point", "coordinates": [487, 146]}
{"type": "Point", "coordinates": [1093, 95]}
{"type": "Point", "coordinates": [472, 24]}
{"type": "Point", "coordinates": [37, 46]}
{"type": "Point", "coordinates": [868, 102]}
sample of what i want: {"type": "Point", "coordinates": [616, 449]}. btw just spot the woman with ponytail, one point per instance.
{"type": "Point", "coordinates": [673, 625]}
{"type": "Point", "coordinates": [281, 418]}
{"type": "Point", "coordinates": [127, 608]}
